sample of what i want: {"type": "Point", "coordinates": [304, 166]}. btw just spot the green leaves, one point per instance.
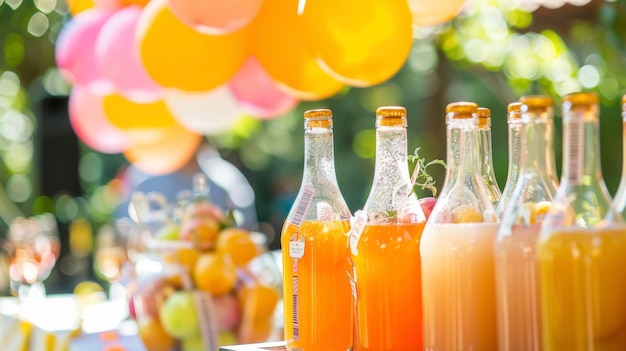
{"type": "Point", "coordinates": [420, 176]}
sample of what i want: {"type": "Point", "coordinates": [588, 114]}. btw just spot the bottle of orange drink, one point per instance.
{"type": "Point", "coordinates": [582, 245]}
{"type": "Point", "coordinates": [517, 282]}
{"type": "Point", "coordinates": [458, 287]}
{"type": "Point", "coordinates": [384, 244]}
{"type": "Point", "coordinates": [318, 299]}
{"type": "Point", "coordinates": [486, 156]}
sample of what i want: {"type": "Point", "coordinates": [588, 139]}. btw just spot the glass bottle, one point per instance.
{"type": "Point", "coordinates": [384, 246]}
{"type": "Point", "coordinates": [517, 291]}
{"type": "Point", "coordinates": [620, 196]}
{"type": "Point", "coordinates": [458, 285]}
{"type": "Point", "coordinates": [514, 123]}
{"type": "Point", "coordinates": [318, 299]}
{"type": "Point", "coordinates": [486, 156]}
{"type": "Point", "coordinates": [582, 245]}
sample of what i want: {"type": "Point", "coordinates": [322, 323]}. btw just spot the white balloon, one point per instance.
{"type": "Point", "coordinates": [210, 112]}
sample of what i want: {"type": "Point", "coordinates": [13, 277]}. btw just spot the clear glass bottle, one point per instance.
{"type": "Point", "coordinates": [486, 156]}
{"type": "Point", "coordinates": [517, 290]}
{"type": "Point", "coordinates": [582, 245]}
{"type": "Point", "coordinates": [458, 285]}
{"type": "Point", "coordinates": [514, 124]}
{"type": "Point", "coordinates": [384, 245]}
{"type": "Point", "coordinates": [619, 201]}
{"type": "Point", "coordinates": [318, 299]}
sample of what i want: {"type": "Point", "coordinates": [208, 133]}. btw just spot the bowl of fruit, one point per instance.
{"type": "Point", "coordinates": [201, 282]}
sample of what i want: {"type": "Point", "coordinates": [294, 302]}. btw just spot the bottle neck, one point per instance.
{"type": "Point", "coordinates": [391, 197]}
{"type": "Point", "coordinates": [581, 149]}
{"type": "Point", "coordinates": [515, 151]}
{"type": "Point", "coordinates": [537, 157]}
{"type": "Point", "coordinates": [319, 160]}
{"type": "Point", "coordinates": [462, 155]}
{"type": "Point", "coordinates": [486, 153]}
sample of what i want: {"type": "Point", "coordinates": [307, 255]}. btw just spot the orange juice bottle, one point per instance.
{"type": "Point", "coordinates": [517, 282]}
{"type": "Point", "coordinates": [384, 245]}
{"type": "Point", "coordinates": [458, 285]}
{"type": "Point", "coordinates": [582, 245]}
{"type": "Point", "coordinates": [318, 300]}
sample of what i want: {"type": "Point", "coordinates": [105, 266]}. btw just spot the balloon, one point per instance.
{"type": "Point", "coordinates": [126, 114]}
{"type": "Point", "coordinates": [162, 150]}
{"type": "Point", "coordinates": [75, 47]}
{"type": "Point", "coordinates": [279, 44]}
{"type": "Point", "coordinates": [209, 112]}
{"type": "Point", "coordinates": [78, 6]}
{"type": "Point", "coordinates": [176, 56]}
{"type": "Point", "coordinates": [430, 13]}
{"type": "Point", "coordinates": [91, 125]}
{"type": "Point", "coordinates": [360, 42]}
{"type": "Point", "coordinates": [215, 16]}
{"type": "Point", "coordinates": [108, 4]}
{"type": "Point", "coordinates": [118, 59]}
{"type": "Point", "coordinates": [257, 92]}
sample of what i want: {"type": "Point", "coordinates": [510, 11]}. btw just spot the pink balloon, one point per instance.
{"type": "Point", "coordinates": [215, 16]}
{"type": "Point", "coordinates": [117, 57]}
{"type": "Point", "coordinates": [91, 124]}
{"type": "Point", "coordinates": [75, 47]}
{"type": "Point", "coordinates": [257, 92]}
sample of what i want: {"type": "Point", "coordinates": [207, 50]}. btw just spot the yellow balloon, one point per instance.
{"type": "Point", "coordinates": [429, 13]}
{"type": "Point", "coordinates": [360, 42]}
{"type": "Point", "coordinates": [162, 150]}
{"type": "Point", "coordinates": [127, 114]}
{"type": "Point", "coordinates": [278, 42]}
{"type": "Point", "coordinates": [78, 6]}
{"type": "Point", "coordinates": [176, 56]}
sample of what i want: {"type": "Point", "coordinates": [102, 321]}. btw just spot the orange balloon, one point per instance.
{"type": "Point", "coordinates": [430, 13]}
{"type": "Point", "coordinates": [162, 150]}
{"type": "Point", "coordinates": [141, 3]}
{"type": "Point", "coordinates": [127, 114]}
{"type": "Point", "coordinates": [176, 56]}
{"type": "Point", "coordinates": [360, 42]}
{"type": "Point", "coordinates": [78, 6]}
{"type": "Point", "coordinates": [278, 42]}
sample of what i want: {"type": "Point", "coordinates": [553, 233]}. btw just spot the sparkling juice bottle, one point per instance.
{"type": "Point", "coordinates": [384, 242]}
{"type": "Point", "coordinates": [318, 301]}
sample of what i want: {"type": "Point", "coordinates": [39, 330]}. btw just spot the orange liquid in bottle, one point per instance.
{"type": "Point", "coordinates": [324, 315]}
{"type": "Point", "coordinates": [389, 291]}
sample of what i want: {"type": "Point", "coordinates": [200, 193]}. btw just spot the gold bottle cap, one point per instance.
{"type": "Point", "coordinates": [514, 110]}
{"type": "Point", "coordinates": [580, 100]}
{"type": "Point", "coordinates": [318, 118]}
{"type": "Point", "coordinates": [318, 113]}
{"type": "Point", "coordinates": [391, 111]}
{"type": "Point", "coordinates": [462, 109]}
{"type": "Point", "coordinates": [484, 114]}
{"type": "Point", "coordinates": [391, 116]}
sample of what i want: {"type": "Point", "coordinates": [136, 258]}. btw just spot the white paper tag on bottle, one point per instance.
{"type": "Point", "coordinates": [324, 211]}
{"type": "Point", "coordinates": [358, 225]}
{"type": "Point", "coordinates": [296, 249]}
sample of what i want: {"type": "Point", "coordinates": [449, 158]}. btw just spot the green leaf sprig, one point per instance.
{"type": "Point", "coordinates": [420, 175]}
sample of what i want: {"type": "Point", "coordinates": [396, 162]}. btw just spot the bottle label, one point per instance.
{"type": "Point", "coordinates": [295, 316]}
{"type": "Point", "coordinates": [575, 149]}
{"type": "Point", "coordinates": [324, 211]}
{"type": "Point", "coordinates": [303, 205]}
{"type": "Point", "coordinates": [205, 310]}
{"type": "Point", "coordinates": [358, 225]}
{"type": "Point", "coordinates": [296, 248]}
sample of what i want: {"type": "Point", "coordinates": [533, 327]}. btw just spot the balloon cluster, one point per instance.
{"type": "Point", "coordinates": [150, 77]}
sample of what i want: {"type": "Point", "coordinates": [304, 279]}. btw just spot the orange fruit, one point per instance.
{"type": "Point", "coordinates": [238, 244]}
{"type": "Point", "coordinates": [258, 301]}
{"type": "Point", "coordinates": [201, 231]}
{"type": "Point", "coordinates": [154, 337]}
{"type": "Point", "coordinates": [214, 273]}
